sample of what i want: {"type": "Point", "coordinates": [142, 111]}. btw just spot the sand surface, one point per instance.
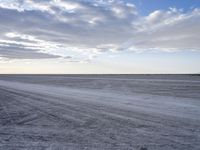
{"type": "Point", "coordinates": [97, 112]}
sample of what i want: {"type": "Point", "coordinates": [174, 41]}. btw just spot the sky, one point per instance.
{"type": "Point", "coordinates": [99, 36]}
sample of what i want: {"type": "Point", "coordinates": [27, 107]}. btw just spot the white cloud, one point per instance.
{"type": "Point", "coordinates": [85, 28]}
{"type": "Point", "coordinates": [12, 4]}
{"type": "Point", "coordinates": [66, 5]}
{"type": "Point", "coordinates": [170, 30]}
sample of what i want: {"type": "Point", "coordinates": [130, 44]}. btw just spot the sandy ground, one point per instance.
{"type": "Point", "coordinates": [119, 112]}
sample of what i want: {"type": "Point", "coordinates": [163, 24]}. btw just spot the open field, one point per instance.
{"type": "Point", "coordinates": [97, 112]}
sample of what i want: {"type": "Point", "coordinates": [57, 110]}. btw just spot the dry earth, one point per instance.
{"type": "Point", "coordinates": [97, 112]}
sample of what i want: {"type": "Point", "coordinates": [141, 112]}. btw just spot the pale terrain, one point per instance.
{"type": "Point", "coordinates": [97, 112]}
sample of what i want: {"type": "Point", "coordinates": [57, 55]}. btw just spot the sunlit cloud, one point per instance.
{"type": "Point", "coordinates": [81, 30]}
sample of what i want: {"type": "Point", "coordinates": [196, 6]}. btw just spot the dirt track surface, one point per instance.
{"type": "Point", "coordinates": [98, 113]}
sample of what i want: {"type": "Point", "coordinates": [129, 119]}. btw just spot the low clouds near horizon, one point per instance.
{"type": "Point", "coordinates": [81, 29]}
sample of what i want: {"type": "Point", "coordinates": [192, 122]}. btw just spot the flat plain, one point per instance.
{"type": "Point", "coordinates": [97, 112]}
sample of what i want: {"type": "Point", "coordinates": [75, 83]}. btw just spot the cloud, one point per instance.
{"type": "Point", "coordinates": [80, 29]}
{"type": "Point", "coordinates": [170, 30]}
{"type": "Point", "coordinates": [15, 45]}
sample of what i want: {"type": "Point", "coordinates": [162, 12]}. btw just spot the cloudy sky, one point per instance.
{"type": "Point", "coordinates": [99, 36]}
